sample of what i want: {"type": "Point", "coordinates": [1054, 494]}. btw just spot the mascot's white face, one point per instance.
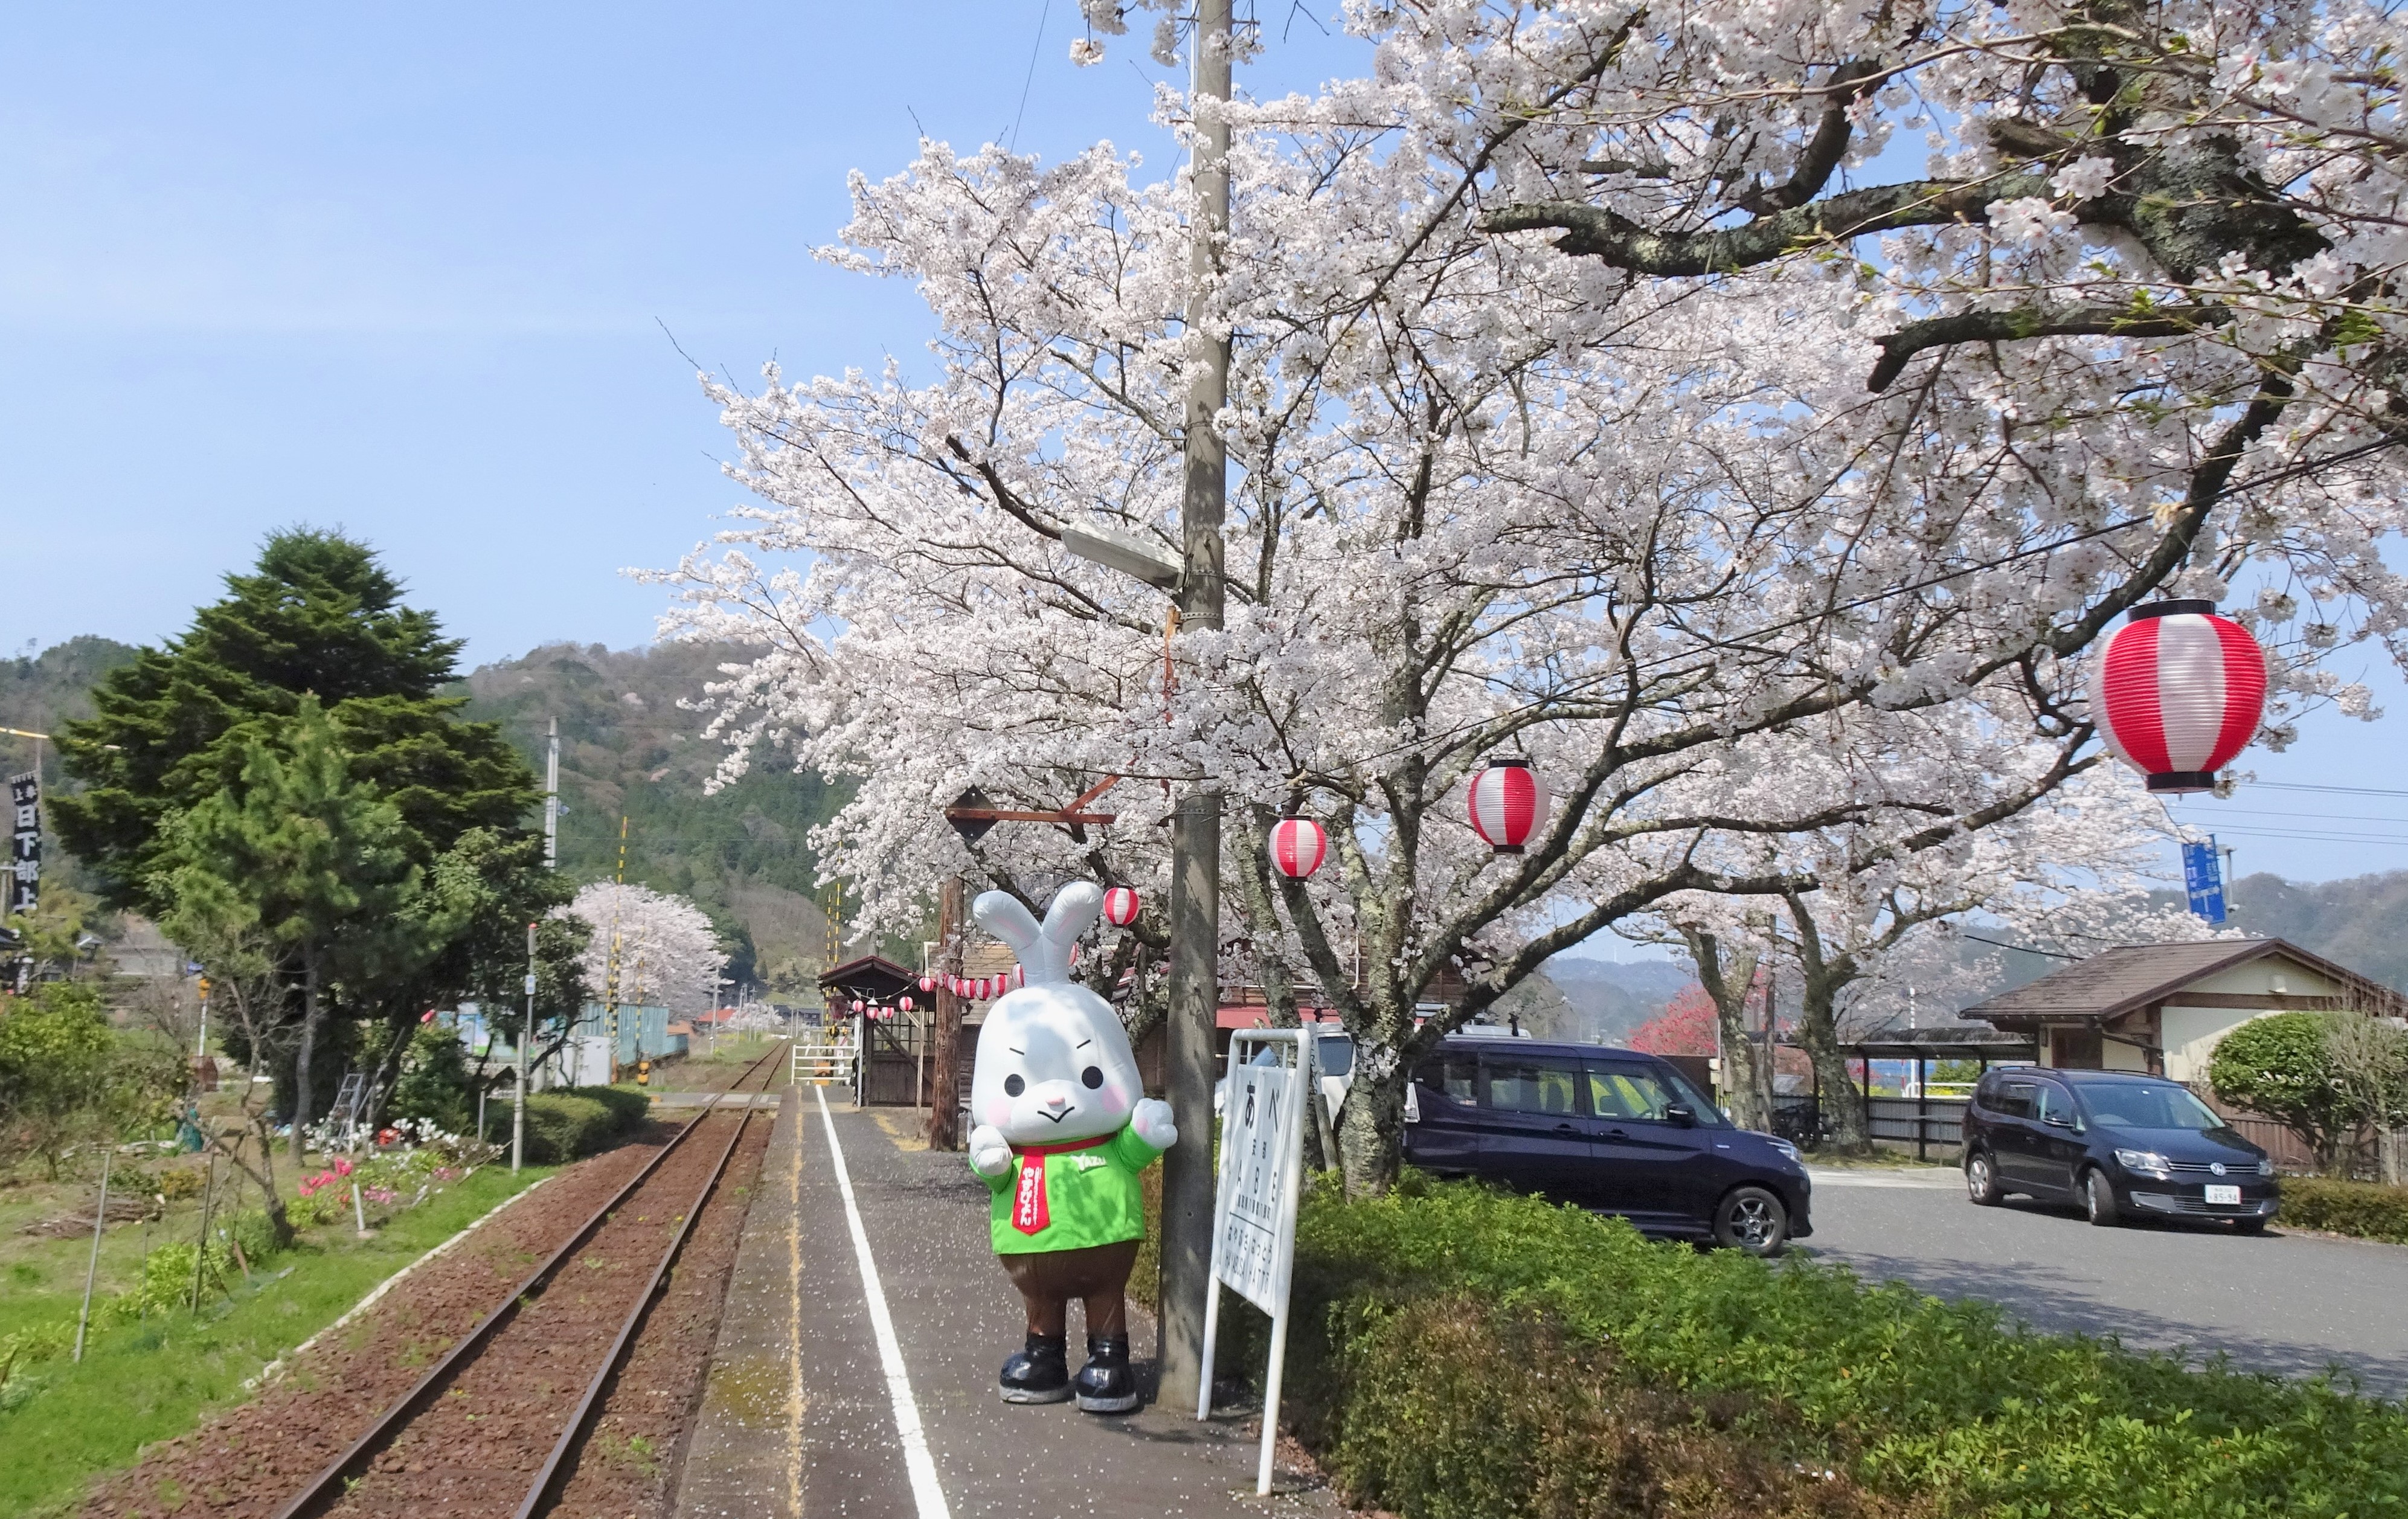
{"type": "Point", "coordinates": [1054, 1064]}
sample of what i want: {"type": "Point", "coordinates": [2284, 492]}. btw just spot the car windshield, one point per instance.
{"type": "Point", "coordinates": [2122, 1105]}
{"type": "Point", "coordinates": [1336, 1052]}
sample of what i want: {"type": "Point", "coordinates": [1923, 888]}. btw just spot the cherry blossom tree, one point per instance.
{"type": "Point", "coordinates": [2055, 853]}
{"type": "Point", "coordinates": [1648, 532]}
{"type": "Point", "coordinates": [2147, 280]}
{"type": "Point", "coordinates": [647, 948]}
{"type": "Point", "coordinates": [1685, 1026]}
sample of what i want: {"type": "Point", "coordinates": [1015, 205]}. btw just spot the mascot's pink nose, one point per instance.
{"type": "Point", "coordinates": [1056, 1100]}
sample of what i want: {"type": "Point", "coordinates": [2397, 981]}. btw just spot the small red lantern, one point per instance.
{"type": "Point", "coordinates": [1508, 803]}
{"type": "Point", "coordinates": [2177, 692]}
{"type": "Point", "coordinates": [905, 1003]}
{"type": "Point", "coordinates": [1299, 845]}
{"type": "Point", "coordinates": [927, 985]}
{"type": "Point", "coordinates": [1120, 907]}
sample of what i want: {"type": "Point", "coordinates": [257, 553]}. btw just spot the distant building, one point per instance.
{"type": "Point", "coordinates": [2162, 1008]}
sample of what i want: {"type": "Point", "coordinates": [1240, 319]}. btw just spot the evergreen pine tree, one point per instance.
{"type": "Point", "coordinates": [318, 617]}
{"type": "Point", "coordinates": [299, 853]}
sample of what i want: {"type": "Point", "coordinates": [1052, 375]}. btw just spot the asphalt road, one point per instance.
{"type": "Point", "coordinates": [2292, 1304]}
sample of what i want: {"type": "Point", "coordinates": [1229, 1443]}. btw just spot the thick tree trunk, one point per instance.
{"type": "Point", "coordinates": [301, 1059]}
{"type": "Point", "coordinates": [944, 1032]}
{"type": "Point", "coordinates": [1743, 1085]}
{"type": "Point", "coordinates": [1843, 1106]}
{"type": "Point", "coordinates": [1371, 1125]}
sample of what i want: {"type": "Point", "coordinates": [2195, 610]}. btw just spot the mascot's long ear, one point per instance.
{"type": "Point", "coordinates": [1075, 908]}
{"type": "Point", "coordinates": [1000, 913]}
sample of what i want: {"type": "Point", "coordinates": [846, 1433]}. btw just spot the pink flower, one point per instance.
{"type": "Point", "coordinates": [342, 1166]}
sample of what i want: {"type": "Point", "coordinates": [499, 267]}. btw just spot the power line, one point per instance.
{"type": "Point", "coordinates": [2054, 955]}
{"type": "Point", "coordinates": [2302, 785]}
{"type": "Point", "coordinates": [1011, 142]}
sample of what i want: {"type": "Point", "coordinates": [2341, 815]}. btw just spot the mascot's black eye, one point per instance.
{"type": "Point", "coordinates": [1093, 1076]}
{"type": "Point", "coordinates": [1013, 1086]}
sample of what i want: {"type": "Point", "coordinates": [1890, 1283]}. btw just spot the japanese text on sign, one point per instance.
{"type": "Point", "coordinates": [25, 842]}
{"type": "Point", "coordinates": [1254, 1165]}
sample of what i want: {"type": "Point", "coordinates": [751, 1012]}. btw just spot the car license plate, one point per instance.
{"type": "Point", "coordinates": [2223, 1197]}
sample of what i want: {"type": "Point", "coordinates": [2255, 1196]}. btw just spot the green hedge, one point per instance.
{"type": "Point", "coordinates": [2364, 1208]}
{"type": "Point", "coordinates": [576, 1121]}
{"type": "Point", "coordinates": [1459, 1351]}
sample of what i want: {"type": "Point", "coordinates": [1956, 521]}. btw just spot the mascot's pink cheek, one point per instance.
{"type": "Point", "coordinates": [998, 1113]}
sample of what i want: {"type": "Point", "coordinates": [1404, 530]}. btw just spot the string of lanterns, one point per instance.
{"type": "Point", "coordinates": [2176, 693]}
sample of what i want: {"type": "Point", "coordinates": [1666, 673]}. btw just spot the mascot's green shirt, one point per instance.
{"type": "Point", "coordinates": [1067, 1196]}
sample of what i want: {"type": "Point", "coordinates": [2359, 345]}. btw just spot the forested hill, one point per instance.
{"type": "Point", "coordinates": [627, 749]}
{"type": "Point", "coordinates": [38, 692]}
{"type": "Point", "coordinates": [2362, 921]}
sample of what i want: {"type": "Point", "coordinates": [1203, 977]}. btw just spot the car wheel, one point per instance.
{"type": "Point", "coordinates": [1752, 1219]}
{"type": "Point", "coordinates": [1981, 1181]}
{"type": "Point", "coordinates": [2098, 1200]}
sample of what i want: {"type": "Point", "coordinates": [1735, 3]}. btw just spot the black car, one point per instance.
{"type": "Point", "coordinates": [2121, 1145]}
{"type": "Point", "coordinates": [1613, 1130]}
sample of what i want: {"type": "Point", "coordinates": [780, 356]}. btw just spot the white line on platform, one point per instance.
{"type": "Point", "coordinates": [925, 1493]}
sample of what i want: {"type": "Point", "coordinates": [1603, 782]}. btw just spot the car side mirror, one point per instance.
{"type": "Point", "coordinates": [2057, 1121]}
{"type": "Point", "coordinates": [1682, 1114]}
{"type": "Point", "coordinates": [1412, 1102]}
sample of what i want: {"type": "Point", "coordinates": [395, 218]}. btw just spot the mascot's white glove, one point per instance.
{"type": "Point", "coordinates": [1152, 1121]}
{"type": "Point", "coordinates": [990, 1152]}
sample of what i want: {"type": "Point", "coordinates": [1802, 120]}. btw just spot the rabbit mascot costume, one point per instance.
{"type": "Point", "coordinates": [1063, 1127]}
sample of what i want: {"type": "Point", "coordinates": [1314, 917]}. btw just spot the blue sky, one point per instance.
{"type": "Point", "coordinates": [406, 269]}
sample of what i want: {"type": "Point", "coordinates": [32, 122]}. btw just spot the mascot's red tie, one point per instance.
{"type": "Point", "coordinates": [1030, 1213]}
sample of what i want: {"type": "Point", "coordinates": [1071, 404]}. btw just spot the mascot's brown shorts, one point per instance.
{"type": "Point", "coordinates": [1097, 1275]}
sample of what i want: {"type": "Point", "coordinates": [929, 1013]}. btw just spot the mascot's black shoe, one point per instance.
{"type": "Point", "coordinates": [1106, 1384]}
{"type": "Point", "coordinates": [1039, 1373]}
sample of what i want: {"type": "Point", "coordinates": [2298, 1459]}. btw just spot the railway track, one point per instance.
{"type": "Point", "coordinates": [504, 1413]}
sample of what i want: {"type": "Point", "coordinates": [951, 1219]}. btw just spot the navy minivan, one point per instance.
{"type": "Point", "coordinates": [1613, 1130]}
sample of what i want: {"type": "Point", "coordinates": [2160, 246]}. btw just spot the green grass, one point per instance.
{"type": "Point", "coordinates": [62, 1424]}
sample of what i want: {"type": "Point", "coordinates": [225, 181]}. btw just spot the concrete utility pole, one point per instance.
{"type": "Point", "coordinates": [1195, 831]}
{"type": "Point", "coordinates": [551, 801]}
{"type": "Point", "coordinates": [527, 1038]}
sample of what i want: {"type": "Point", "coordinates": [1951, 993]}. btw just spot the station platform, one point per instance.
{"type": "Point", "coordinates": [800, 1414]}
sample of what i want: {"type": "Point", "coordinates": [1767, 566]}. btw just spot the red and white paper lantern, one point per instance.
{"type": "Point", "coordinates": [1120, 907]}
{"type": "Point", "coordinates": [928, 985]}
{"type": "Point", "coordinates": [2177, 692]}
{"type": "Point", "coordinates": [905, 1003]}
{"type": "Point", "coordinates": [1509, 803]}
{"type": "Point", "coordinates": [1298, 847]}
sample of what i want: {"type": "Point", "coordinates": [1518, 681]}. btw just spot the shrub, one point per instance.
{"type": "Point", "coordinates": [2363, 1209]}
{"type": "Point", "coordinates": [65, 1076]}
{"type": "Point", "coordinates": [1792, 1367]}
{"type": "Point", "coordinates": [1457, 1409]}
{"type": "Point", "coordinates": [581, 1120]}
{"type": "Point", "coordinates": [434, 1083]}
{"type": "Point", "coordinates": [2280, 1065]}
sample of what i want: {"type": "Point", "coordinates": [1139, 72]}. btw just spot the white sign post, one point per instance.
{"type": "Point", "coordinates": [1253, 1207]}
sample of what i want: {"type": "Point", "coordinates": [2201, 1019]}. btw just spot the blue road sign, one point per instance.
{"type": "Point", "coordinates": [2204, 877]}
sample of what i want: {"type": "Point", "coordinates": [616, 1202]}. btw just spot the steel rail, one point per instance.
{"type": "Point", "coordinates": [543, 1489]}
{"type": "Point", "coordinates": [333, 1481]}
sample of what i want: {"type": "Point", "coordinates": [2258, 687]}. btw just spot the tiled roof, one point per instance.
{"type": "Point", "coordinates": [2129, 976]}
